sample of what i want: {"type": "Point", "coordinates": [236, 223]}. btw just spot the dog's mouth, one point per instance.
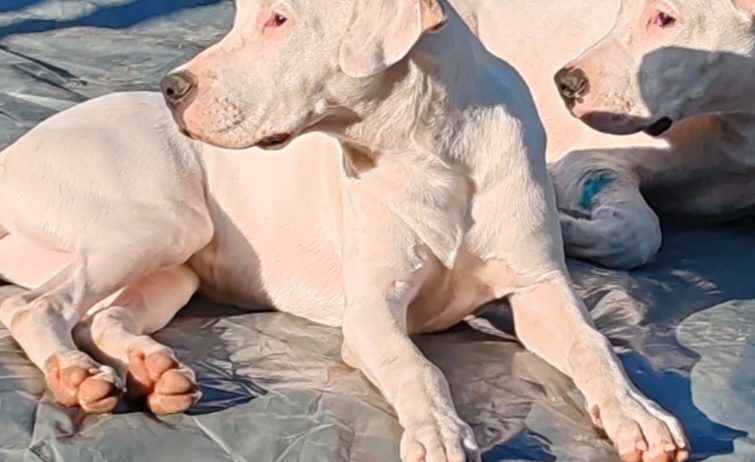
{"type": "Point", "coordinates": [275, 141]}
{"type": "Point", "coordinates": [607, 122]}
{"type": "Point", "coordinates": [659, 127]}
{"type": "Point", "coordinates": [186, 133]}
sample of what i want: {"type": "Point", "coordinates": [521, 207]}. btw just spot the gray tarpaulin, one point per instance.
{"type": "Point", "coordinates": [274, 388]}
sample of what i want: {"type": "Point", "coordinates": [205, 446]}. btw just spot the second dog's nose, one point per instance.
{"type": "Point", "coordinates": [572, 84]}
{"type": "Point", "coordinates": [177, 87]}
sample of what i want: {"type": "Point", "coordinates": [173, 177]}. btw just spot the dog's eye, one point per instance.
{"type": "Point", "coordinates": [663, 20]}
{"type": "Point", "coordinates": [276, 20]}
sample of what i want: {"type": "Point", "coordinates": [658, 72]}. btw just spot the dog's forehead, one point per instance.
{"type": "Point", "coordinates": [247, 7]}
{"type": "Point", "coordinates": [637, 7]}
{"type": "Point", "coordinates": [632, 7]}
{"type": "Point", "coordinates": [323, 6]}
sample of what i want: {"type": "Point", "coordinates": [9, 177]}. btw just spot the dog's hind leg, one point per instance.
{"type": "Point", "coordinates": [117, 333]}
{"type": "Point", "coordinates": [124, 200]}
{"type": "Point", "coordinates": [604, 217]}
{"type": "Point", "coordinates": [26, 264]}
{"type": "Point", "coordinates": [41, 320]}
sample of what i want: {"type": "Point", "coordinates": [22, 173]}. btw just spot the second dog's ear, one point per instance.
{"type": "Point", "coordinates": [383, 32]}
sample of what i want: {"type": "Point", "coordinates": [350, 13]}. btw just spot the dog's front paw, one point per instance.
{"type": "Point", "coordinates": [444, 438]}
{"type": "Point", "coordinates": [640, 430]}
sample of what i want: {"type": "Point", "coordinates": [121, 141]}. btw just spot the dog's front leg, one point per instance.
{"type": "Point", "coordinates": [376, 342]}
{"type": "Point", "coordinates": [552, 322]}
{"type": "Point", "coordinates": [382, 274]}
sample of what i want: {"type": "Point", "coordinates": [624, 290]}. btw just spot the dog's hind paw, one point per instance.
{"type": "Point", "coordinates": [443, 439]}
{"type": "Point", "coordinates": [169, 387]}
{"type": "Point", "coordinates": [75, 379]}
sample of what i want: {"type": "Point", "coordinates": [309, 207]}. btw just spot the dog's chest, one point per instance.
{"type": "Point", "coordinates": [450, 295]}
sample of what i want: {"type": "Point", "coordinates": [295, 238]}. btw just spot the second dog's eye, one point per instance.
{"type": "Point", "coordinates": [276, 20]}
{"type": "Point", "coordinates": [663, 20]}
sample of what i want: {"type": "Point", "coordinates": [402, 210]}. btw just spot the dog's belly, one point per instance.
{"type": "Point", "coordinates": [307, 286]}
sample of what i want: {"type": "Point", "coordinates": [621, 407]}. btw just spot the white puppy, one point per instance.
{"type": "Point", "coordinates": [433, 199]}
{"type": "Point", "coordinates": [679, 70]}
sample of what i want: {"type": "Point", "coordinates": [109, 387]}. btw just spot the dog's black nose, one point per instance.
{"type": "Point", "coordinates": [178, 87]}
{"type": "Point", "coordinates": [572, 84]}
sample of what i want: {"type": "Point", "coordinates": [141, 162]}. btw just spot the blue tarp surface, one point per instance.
{"type": "Point", "coordinates": [274, 387]}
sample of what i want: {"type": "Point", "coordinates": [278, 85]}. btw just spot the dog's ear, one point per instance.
{"type": "Point", "coordinates": [382, 32]}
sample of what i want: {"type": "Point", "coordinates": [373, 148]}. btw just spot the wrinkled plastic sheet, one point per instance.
{"type": "Point", "coordinates": [274, 387]}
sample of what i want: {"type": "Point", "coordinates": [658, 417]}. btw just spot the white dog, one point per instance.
{"type": "Point", "coordinates": [679, 70]}
{"type": "Point", "coordinates": [434, 199]}
{"type": "Point", "coordinates": [682, 70]}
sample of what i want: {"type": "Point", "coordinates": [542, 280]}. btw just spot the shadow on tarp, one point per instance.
{"type": "Point", "coordinates": [14, 5]}
{"type": "Point", "coordinates": [109, 17]}
{"type": "Point", "coordinates": [640, 312]}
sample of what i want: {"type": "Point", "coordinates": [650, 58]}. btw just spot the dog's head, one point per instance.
{"type": "Point", "coordinates": [286, 65]}
{"type": "Point", "coordinates": [664, 60]}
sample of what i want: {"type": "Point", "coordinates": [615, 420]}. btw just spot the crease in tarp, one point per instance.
{"type": "Point", "coordinates": [218, 441]}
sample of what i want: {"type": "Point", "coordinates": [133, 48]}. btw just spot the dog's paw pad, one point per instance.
{"type": "Point", "coordinates": [168, 386]}
{"type": "Point", "coordinates": [77, 380]}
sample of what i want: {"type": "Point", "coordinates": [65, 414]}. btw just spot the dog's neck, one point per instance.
{"type": "Point", "coordinates": [735, 140]}
{"type": "Point", "coordinates": [736, 126]}
{"type": "Point", "coordinates": [429, 102]}
{"type": "Point", "coordinates": [439, 132]}
{"type": "Point", "coordinates": [410, 108]}
{"type": "Point", "coordinates": [406, 147]}
{"type": "Point", "coordinates": [725, 129]}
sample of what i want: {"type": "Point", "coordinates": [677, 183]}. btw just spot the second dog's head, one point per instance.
{"type": "Point", "coordinates": [664, 60]}
{"type": "Point", "coordinates": [288, 64]}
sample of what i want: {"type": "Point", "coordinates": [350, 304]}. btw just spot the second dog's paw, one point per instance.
{"type": "Point", "coordinates": [641, 431]}
{"type": "Point", "coordinates": [441, 439]}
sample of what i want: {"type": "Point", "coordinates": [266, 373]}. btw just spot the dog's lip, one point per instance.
{"type": "Point", "coordinates": [275, 141]}
{"type": "Point", "coordinates": [614, 124]}
{"type": "Point", "coordinates": [659, 127]}
{"type": "Point", "coordinates": [186, 133]}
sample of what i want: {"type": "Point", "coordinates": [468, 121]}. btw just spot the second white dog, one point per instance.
{"type": "Point", "coordinates": [681, 71]}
